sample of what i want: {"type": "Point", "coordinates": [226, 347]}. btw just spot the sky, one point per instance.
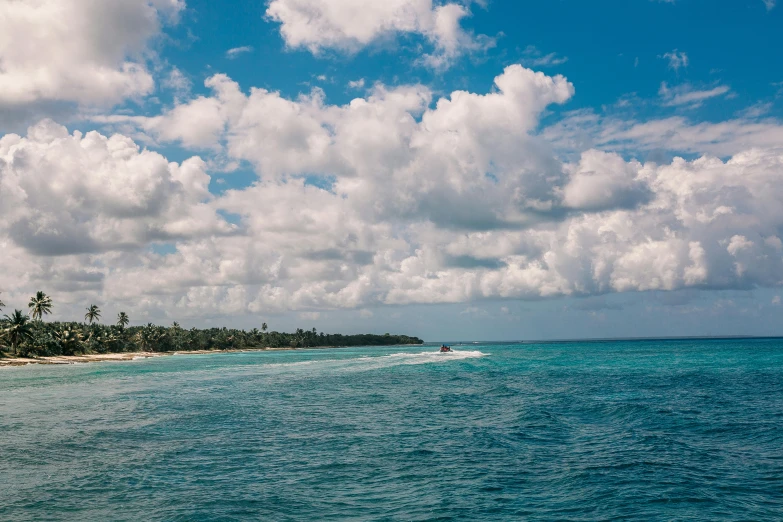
{"type": "Point", "coordinates": [451, 169]}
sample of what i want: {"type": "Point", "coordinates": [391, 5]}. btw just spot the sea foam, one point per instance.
{"type": "Point", "coordinates": [370, 362]}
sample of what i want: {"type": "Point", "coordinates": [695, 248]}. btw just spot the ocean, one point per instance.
{"type": "Point", "coordinates": [624, 430]}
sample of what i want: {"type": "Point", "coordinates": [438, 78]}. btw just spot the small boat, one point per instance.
{"type": "Point", "coordinates": [444, 349]}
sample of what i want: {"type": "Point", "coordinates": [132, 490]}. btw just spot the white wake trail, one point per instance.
{"type": "Point", "coordinates": [398, 359]}
{"type": "Point", "coordinates": [368, 362]}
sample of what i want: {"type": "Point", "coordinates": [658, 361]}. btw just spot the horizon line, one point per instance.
{"type": "Point", "coordinates": [613, 339]}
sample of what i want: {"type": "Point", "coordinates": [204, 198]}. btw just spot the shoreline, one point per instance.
{"type": "Point", "coordinates": [111, 357]}
{"type": "Point", "coordinates": [10, 361]}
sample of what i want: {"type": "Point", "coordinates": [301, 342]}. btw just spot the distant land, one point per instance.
{"type": "Point", "coordinates": [26, 336]}
{"type": "Point", "coordinates": [42, 339]}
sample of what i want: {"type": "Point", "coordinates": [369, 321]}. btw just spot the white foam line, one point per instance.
{"type": "Point", "coordinates": [383, 361]}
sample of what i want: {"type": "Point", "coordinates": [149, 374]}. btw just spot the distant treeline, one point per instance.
{"type": "Point", "coordinates": [22, 335]}
{"type": "Point", "coordinates": [57, 338]}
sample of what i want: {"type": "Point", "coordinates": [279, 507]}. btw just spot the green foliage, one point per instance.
{"type": "Point", "coordinates": [70, 339]}
{"type": "Point", "coordinates": [153, 338]}
{"type": "Point", "coordinates": [38, 338]}
{"type": "Point", "coordinates": [43, 342]}
{"type": "Point", "coordinates": [17, 329]}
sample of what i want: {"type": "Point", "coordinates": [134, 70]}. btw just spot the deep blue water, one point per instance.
{"type": "Point", "coordinates": [645, 430]}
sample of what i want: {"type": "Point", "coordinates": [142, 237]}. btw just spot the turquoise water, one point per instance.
{"type": "Point", "coordinates": [653, 430]}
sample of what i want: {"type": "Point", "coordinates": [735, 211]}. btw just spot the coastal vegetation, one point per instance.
{"type": "Point", "coordinates": [27, 336]}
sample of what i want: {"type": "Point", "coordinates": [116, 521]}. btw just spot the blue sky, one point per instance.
{"type": "Point", "coordinates": [616, 53]}
{"type": "Point", "coordinates": [449, 169]}
{"type": "Point", "coordinates": [727, 42]}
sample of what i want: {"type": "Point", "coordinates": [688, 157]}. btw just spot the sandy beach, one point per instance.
{"type": "Point", "coordinates": [108, 357]}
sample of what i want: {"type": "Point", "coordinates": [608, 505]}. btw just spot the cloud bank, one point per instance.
{"type": "Point", "coordinates": [403, 195]}
{"type": "Point", "coordinates": [395, 198]}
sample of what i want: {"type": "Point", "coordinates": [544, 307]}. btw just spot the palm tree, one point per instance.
{"type": "Point", "coordinates": [122, 320]}
{"type": "Point", "coordinates": [93, 313]}
{"type": "Point", "coordinates": [70, 340]}
{"type": "Point", "coordinates": [263, 327]}
{"type": "Point", "coordinates": [150, 337]}
{"type": "Point", "coordinates": [2, 304]}
{"type": "Point", "coordinates": [19, 329]}
{"type": "Point", "coordinates": [40, 305]}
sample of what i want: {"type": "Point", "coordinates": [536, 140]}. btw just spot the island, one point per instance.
{"type": "Point", "coordinates": [28, 338]}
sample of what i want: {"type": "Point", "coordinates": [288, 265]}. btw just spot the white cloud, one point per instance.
{"type": "Point", "coordinates": [446, 202]}
{"type": "Point", "coordinates": [585, 129]}
{"type": "Point", "coordinates": [198, 123]}
{"type": "Point", "coordinates": [177, 82]}
{"type": "Point", "coordinates": [85, 51]}
{"type": "Point", "coordinates": [676, 59]}
{"type": "Point", "coordinates": [769, 4]}
{"type": "Point", "coordinates": [377, 144]}
{"type": "Point", "coordinates": [356, 84]}
{"type": "Point", "coordinates": [236, 51]}
{"type": "Point", "coordinates": [532, 57]}
{"type": "Point", "coordinates": [686, 95]}
{"type": "Point", "coordinates": [604, 181]}
{"type": "Point", "coordinates": [72, 193]}
{"type": "Point", "coordinates": [349, 25]}
{"type": "Point", "coordinates": [757, 110]}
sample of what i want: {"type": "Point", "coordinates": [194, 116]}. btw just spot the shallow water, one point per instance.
{"type": "Point", "coordinates": [646, 430]}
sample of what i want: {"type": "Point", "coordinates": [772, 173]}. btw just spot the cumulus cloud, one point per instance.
{"type": "Point", "coordinates": [604, 181]}
{"type": "Point", "coordinates": [445, 163]}
{"type": "Point", "coordinates": [84, 51]}
{"type": "Point", "coordinates": [397, 197]}
{"type": "Point", "coordinates": [66, 193]}
{"type": "Point", "coordinates": [400, 196]}
{"type": "Point", "coordinates": [198, 123]}
{"type": "Point", "coordinates": [349, 25]}
{"type": "Point", "coordinates": [705, 223]}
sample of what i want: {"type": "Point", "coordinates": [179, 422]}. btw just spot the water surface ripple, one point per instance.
{"type": "Point", "coordinates": [644, 430]}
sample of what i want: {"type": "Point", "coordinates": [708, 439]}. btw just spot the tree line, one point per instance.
{"type": "Point", "coordinates": [29, 335]}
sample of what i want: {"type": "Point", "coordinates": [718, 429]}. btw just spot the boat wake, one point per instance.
{"type": "Point", "coordinates": [432, 357]}
{"type": "Point", "coordinates": [366, 363]}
